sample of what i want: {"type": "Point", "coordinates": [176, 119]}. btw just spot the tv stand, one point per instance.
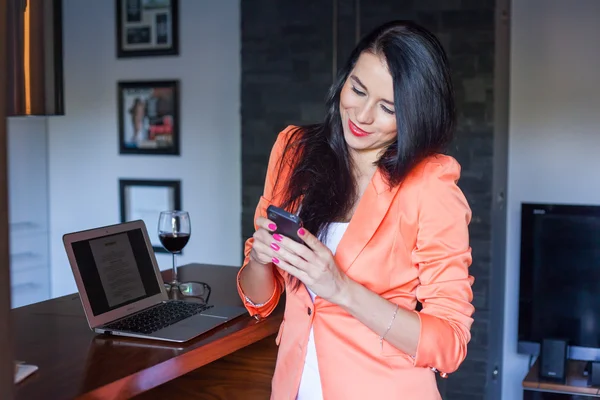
{"type": "Point", "coordinates": [575, 386]}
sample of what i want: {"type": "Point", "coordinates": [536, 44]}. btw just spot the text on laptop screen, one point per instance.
{"type": "Point", "coordinates": [116, 270]}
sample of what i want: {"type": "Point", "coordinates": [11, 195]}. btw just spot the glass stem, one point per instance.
{"type": "Point", "coordinates": [174, 269]}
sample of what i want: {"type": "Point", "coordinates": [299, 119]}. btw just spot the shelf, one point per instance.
{"type": "Point", "coordinates": [576, 383]}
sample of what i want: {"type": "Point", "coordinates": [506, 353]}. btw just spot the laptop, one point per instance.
{"type": "Point", "coordinates": [122, 291]}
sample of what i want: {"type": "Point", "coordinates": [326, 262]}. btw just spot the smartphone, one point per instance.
{"type": "Point", "coordinates": [287, 223]}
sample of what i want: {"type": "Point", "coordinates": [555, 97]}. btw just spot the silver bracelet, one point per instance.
{"type": "Point", "coordinates": [389, 326]}
{"type": "Point", "coordinates": [253, 304]}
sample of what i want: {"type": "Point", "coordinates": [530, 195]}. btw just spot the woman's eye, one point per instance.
{"type": "Point", "coordinates": [387, 110]}
{"type": "Point", "coordinates": [358, 92]}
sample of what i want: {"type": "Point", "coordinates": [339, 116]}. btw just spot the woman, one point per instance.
{"type": "Point", "coordinates": [138, 114]}
{"type": "Point", "coordinates": [384, 226]}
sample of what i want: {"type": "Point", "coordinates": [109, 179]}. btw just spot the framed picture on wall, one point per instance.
{"type": "Point", "coordinates": [147, 28]}
{"type": "Point", "coordinates": [145, 199]}
{"type": "Point", "coordinates": [148, 117]}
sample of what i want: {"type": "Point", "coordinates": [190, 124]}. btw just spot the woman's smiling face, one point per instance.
{"type": "Point", "coordinates": [367, 106]}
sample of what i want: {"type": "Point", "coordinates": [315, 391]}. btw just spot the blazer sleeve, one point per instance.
{"type": "Point", "coordinates": [443, 256]}
{"type": "Point", "coordinates": [264, 309]}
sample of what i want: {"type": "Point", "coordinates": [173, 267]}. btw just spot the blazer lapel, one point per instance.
{"type": "Point", "coordinates": [371, 210]}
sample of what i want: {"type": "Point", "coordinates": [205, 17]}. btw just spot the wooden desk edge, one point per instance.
{"type": "Point", "coordinates": [531, 385]}
{"type": "Point", "coordinates": [559, 388]}
{"type": "Point", "coordinates": [164, 372]}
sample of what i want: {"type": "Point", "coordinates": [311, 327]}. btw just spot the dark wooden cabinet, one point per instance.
{"type": "Point", "coordinates": [245, 374]}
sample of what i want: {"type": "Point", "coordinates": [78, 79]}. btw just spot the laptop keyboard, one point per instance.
{"type": "Point", "coordinates": [158, 317]}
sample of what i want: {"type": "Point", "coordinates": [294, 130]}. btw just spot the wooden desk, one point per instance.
{"type": "Point", "coordinates": [575, 386]}
{"type": "Point", "coordinates": [75, 363]}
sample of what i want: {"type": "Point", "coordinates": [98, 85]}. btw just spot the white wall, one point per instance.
{"type": "Point", "coordinates": [554, 140]}
{"type": "Point", "coordinates": [84, 163]}
{"type": "Point", "coordinates": [28, 209]}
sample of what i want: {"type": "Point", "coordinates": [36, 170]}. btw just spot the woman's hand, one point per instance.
{"type": "Point", "coordinates": [313, 264]}
{"type": "Point", "coordinates": [262, 252]}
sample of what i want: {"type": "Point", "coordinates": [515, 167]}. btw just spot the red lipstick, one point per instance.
{"type": "Point", "coordinates": [356, 131]}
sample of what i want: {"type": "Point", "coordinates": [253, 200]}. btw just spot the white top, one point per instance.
{"type": "Point", "coordinates": [310, 383]}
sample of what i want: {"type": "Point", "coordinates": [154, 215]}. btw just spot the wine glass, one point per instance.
{"type": "Point", "coordinates": [174, 230]}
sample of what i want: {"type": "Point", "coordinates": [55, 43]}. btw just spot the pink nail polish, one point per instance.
{"type": "Point", "coordinates": [272, 227]}
{"type": "Point", "coordinates": [274, 247]}
{"type": "Point", "coordinates": [278, 237]}
{"type": "Point", "coordinates": [301, 231]}
{"type": "Point", "coordinates": [275, 260]}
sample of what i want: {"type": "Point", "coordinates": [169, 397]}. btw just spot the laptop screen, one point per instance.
{"type": "Point", "coordinates": [116, 270]}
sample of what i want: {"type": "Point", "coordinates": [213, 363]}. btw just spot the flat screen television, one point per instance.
{"type": "Point", "coordinates": [559, 293]}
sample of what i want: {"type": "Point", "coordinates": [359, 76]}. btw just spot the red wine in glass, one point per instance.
{"type": "Point", "coordinates": [174, 242]}
{"type": "Point", "coordinates": [174, 230]}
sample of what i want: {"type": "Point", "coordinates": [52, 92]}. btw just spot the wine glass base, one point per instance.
{"type": "Point", "coordinates": [185, 290]}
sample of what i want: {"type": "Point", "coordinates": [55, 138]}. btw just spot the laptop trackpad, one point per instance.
{"type": "Point", "coordinates": [189, 328]}
{"type": "Point", "coordinates": [225, 312]}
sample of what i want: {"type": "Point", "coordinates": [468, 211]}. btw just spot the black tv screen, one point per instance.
{"type": "Point", "coordinates": [560, 274]}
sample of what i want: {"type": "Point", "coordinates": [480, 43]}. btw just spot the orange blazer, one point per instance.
{"type": "Point", "coordinates": [406, 244]}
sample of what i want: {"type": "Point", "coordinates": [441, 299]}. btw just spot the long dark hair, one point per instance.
{"type": "Point", "coordinates": [322, 177]}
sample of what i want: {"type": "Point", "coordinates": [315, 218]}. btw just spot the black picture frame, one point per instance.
{"type": "Point", "coordinates": [147, 28]}
{"type": "Point", "coordinates": [155, 128]}
{"type": "Point", "coordinates": [142, 199]}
